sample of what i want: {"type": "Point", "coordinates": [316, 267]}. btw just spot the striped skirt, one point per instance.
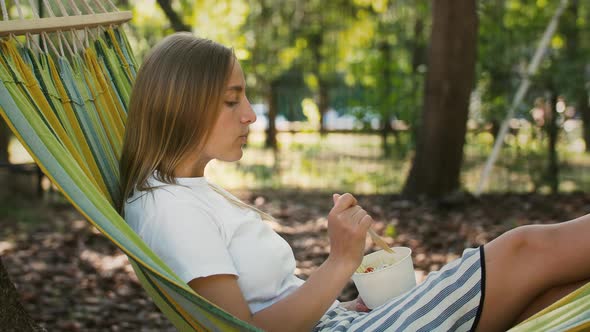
{"type": "Point", "coordinates": [448, 300]}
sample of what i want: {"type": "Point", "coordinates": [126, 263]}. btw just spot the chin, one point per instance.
{"type": "Point", "coordinates": [234, 157]}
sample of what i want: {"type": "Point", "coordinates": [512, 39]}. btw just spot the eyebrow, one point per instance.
{"type": "Point", "coordinates": [236, 88]}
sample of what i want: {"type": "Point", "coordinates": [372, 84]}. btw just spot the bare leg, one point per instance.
{"type": "Point", "coordinates": [548, 298]}
{"type": "Point", "coordinates": [526, 262]}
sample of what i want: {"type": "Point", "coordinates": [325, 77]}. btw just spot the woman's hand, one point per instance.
{"type": "Point", "coordinates": [347, 229]}
{"type": "Point", "coordinates": [355, 305]}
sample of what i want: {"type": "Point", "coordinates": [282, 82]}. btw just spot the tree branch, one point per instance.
{"type": "Point", "coordinates": [175, 20]}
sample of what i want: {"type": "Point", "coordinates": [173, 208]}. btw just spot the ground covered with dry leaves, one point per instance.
{"type": "Point", "coordinates": [71, 278]}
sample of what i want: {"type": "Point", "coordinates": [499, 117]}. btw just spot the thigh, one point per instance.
{"type": "Point", "coordinates": [549, 297]}
{"type": "Point", "coordinates": [511, 281]}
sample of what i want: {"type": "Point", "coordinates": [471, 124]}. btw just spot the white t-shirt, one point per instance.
{"type": "Point", "coordinates": [199, 233]}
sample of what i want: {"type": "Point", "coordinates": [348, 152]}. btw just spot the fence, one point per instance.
{"type": "Point", "coordinates": [356, 162]}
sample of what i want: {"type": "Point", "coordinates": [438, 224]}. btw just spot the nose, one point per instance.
{"type": "Point", "coordinates": [248, 116]}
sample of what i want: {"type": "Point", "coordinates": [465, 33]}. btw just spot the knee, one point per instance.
{"type": "Point", "coordinates": [528, 241]}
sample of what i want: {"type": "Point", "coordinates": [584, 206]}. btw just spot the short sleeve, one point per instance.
{"type": "Point", "coordinates": [190, 242]}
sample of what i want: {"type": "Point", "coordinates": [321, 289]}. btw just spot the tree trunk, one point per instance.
{"type": "Point", "coordinates": [552, 130]}
{"type": "Point", "coordinates": [439, 152]}
{"type": "Point", "coordinates": [583, 106]}
{"type": "Point", "coordinates": [419, 52]}
{"type": "Point", "coordinates": [173, 17]}
{"type": "Point", "coordinates": [271, 131]}
{"type": "Point", "coordinates": [385, 130]}
{"type": "Point", "coordinates": [385, 104]}
{"type": "Point", "coordinates": [576, 59]}
{"type": "Point", "coordinates": [4, 140]}
{"type": "Point", "coordinates": [323, 103]}
{"type": "Point", "coordinates": [316, 42]}
{"type": "Point", "coordinates": [495, 128]}
{"type": "Point", "coordinates": [13, 316]}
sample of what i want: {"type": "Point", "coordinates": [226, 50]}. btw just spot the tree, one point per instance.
{"type": "Point", "coordinates": [575, 30]}
{"type": "Point", "coordinates": [496, 63]}
{"type": "Point", "coordinates": [439, 152]}
{"type": "Point", "coordinates": [381, 53]}
{"type": "Point", "coordinates": [321, 23]}
{"type": "Point", "coordinates": [4, 140]}
{"type": "Point", "coordinates": [270, 25]}
{"type": "Point", "coordinates": [562, 82]}
{"type": "Point", "coordinates": [13, 317]}
{"type": "Point", "coordinates": [175, 19]}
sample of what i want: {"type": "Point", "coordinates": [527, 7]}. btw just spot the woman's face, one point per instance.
{"type": "Point", "coordinates": [230, 131]}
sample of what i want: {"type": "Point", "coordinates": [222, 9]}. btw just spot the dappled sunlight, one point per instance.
{"type": "Point", "coordinates": [366, 73]}
{"type": "Point", "coordinates": [354, 162]}
{"type": "Point", "coordinates": [308, 161]}
{"type": "Point", "coordinates": [107, 264]}
{"type": "Point", "coordinates": [5, 246]}
{"type": "Point", "coordinates": [72, 278]}
{"type": "Point", "coordinates": [17, 153]}
{"type": "Point", "coordinates": [69, 275]}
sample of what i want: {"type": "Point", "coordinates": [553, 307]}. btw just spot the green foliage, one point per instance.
{"type": "Point", "coordinates": [390, 231]}
{"type": "Point", "coordinates": [376, 56]}
{"type": "Point", "coordinates": [370, 55]}
{"type": "Point", "coordinates": [356, 163]}
{"type": "Point", "coordinates": [271, 42]}
{"type": "Point", "coordinates": [508, 36]}
{"type": "Point", "coordinates": [340, 43]}
{"type": "Point", "coordinates": [222, 20]}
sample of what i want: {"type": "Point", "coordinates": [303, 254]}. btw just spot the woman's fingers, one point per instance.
{"type": "Point", "coordinates": [349, 213]}
{"type": "Point", "coordinates": [343, 202]}
{"type": "Point", "coordinates": [358, 215]}
{"type": "Point", "coordinates": [366, 222]}
{"type": "Point", "coordinates": [347, 237]}
{"type": "Point", "coordinates": [335, 198]}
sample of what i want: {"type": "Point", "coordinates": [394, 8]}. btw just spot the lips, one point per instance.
{"type": "Point", "coordinates": [243, 138]}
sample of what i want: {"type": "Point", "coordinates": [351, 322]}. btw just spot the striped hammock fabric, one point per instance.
{"type": "Point", "coordinates": [70, 111]}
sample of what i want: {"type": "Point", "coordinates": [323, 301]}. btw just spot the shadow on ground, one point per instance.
{"type": "Point", "coordinates": [71, 278]}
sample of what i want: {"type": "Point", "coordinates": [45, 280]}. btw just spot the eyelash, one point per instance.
{"type": "Point", "coordinates": [231, 103]}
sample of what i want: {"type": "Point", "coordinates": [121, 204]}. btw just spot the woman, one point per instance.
{"type": "Point", "coordinates": [188, 107]}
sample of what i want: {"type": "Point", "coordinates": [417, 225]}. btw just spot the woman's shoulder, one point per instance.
{"type": "Point", "coordinates": [166, 206]}
{"type": "Point", "coordinates": [168, 197]}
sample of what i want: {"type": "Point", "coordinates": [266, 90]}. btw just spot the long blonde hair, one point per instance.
{"type": "Point", "coordinates": [175, 101]}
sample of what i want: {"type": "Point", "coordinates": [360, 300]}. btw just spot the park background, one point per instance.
{"type": "Point", "coordinates": [399, 102]}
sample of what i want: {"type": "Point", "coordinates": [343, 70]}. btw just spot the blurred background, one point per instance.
{"type": "Point", "coordinates": [400, 102]}
{"type": "Point", "coordinates": [339, 90]}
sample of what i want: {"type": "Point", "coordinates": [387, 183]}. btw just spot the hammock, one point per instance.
{"type": "Point", "coordinates": [67, 104]}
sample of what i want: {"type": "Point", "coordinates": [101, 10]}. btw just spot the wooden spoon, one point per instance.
{"type": "Point", "coordinates": [379, 241]}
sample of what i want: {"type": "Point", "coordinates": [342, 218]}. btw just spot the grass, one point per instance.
{"type": "Point", "coordinates": [356, 163]}
{"type": "Point", "coordinates": [340, 162]}
{"type": "Point", "coordinates": [309, 161]}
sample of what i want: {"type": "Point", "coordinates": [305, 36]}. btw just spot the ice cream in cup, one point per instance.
{"type": "Point", "coordinates": [383, 276]}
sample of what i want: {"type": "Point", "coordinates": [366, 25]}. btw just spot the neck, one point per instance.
{"type": "Point", "coordinates": [191, 169]}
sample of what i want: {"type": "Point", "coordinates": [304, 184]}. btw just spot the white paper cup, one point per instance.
{"type": "Point", "coordinates": [382, 285]}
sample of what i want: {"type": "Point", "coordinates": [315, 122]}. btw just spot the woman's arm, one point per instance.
{"type": "Point", "coordinates": [302, 309]}
{"type": "Point", "coordinates": [299, 311]}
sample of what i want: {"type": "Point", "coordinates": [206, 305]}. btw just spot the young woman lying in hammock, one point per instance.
{"type": "Point", "coordinates": [189, 106]}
